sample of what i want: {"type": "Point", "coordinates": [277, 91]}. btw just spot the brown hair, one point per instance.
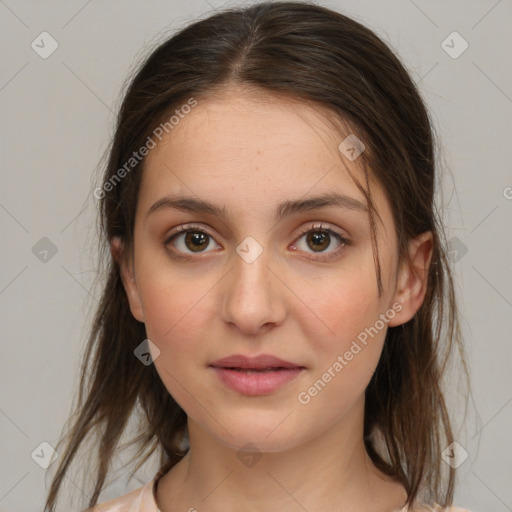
{"type": "Point", "coordinates": [315, 55]}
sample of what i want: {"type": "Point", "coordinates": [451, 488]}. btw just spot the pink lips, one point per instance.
{"type": "Point", "coordinates": [255, 375]}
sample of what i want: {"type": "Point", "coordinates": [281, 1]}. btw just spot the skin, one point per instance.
{"type": "Point", "coordinates": [249, 152]}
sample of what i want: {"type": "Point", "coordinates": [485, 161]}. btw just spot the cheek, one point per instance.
{"type": "Point", "coordinates": [346, 331]}
{"type": "Point", "coordinates": [176, 318]}
{"type": "Point", "coordinates": [179, 310]}
{"type": "Point", "coordinates": [342, 306]}
{"type": "Point", "coordinates": [176, 312]}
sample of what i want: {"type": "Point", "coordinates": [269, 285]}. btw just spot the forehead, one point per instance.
{"type": "Point", "coordinates": [248, 150]}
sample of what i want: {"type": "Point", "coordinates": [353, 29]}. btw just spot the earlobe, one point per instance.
{"type": "Point", "coordinates": [128, 278]}
{"type": "Point", "coordinates": [413, 279]}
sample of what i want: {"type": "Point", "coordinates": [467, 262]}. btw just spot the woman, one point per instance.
{"type": "Point", "coordinates": [277, 283]}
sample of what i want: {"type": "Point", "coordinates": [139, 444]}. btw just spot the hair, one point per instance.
{"type": "Point", "coordinates": [315, 55]}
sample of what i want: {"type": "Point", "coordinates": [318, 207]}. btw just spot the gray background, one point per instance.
{"type": "Point", "coordinates": [57, 117]}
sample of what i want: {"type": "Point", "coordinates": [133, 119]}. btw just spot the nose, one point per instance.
{"type": "Point", "coordinates": [253, 294]}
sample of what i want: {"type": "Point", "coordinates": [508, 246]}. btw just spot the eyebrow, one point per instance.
{"type": "Point", "coordinates": [286, 208]}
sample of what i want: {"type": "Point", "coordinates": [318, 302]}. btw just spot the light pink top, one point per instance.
{"type": "Point", "coordinates": [143, 499]}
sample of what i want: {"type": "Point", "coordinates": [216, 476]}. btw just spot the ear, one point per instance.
{"type": "Point", "coordinates": [412, 279]}
{"type": "Point", "coordinates": [127, 277]}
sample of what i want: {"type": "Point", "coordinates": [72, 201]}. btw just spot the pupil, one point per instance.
{"type": "Point", "coordinates": [317, 237]}
{"type": "Point", "coordinates": [198, 240]}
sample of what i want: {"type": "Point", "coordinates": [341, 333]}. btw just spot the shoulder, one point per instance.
{"type": "Point", "coordinates": [138, 500]}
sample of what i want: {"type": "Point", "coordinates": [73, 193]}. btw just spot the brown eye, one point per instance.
{"type": "Point", "coordinates": [196, 241]}
{"type": "Point", "coordinates": [189, 241]}
{"type": "Point", "coordinates": [318, 240]}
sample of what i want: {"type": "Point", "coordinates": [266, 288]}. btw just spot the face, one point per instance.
{"type": "Point", "coordinates": [263, 274]}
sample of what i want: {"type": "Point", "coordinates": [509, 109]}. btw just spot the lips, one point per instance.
{"type": "Point", "coordinates": [262, 363]}
{"type": "Point", "coordinates": [254, 376]}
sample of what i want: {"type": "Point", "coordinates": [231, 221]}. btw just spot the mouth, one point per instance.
{"type": "Point", "coordinates": [259, 375]}
{"type": "Point", "coordinates": [259, 370]}
{"type": "Point", "coordinates": [261, 363]}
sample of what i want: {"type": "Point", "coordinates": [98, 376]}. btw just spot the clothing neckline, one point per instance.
{"type": "Point", "coordinates": [153, 484]}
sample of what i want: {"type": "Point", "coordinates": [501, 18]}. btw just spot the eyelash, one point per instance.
{"type": "Point", "coordinates": [185, 228]}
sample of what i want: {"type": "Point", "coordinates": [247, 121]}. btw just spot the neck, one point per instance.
{"type": "Point", "coordinates": [317, 475]}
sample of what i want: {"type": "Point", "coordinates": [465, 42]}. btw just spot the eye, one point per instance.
{"type": "Point", "coordinates": [319, 239]}
{"type": "Point", "coordinates": [189, 239]}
